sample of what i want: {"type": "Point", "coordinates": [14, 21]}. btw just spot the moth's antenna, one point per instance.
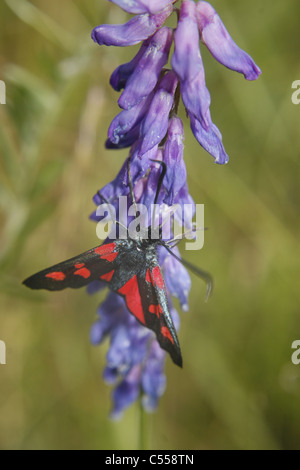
{"type": "Point", "coordinates": [131, 186]}
{"type": "Point", "coordinates": [205, 276]}
{"type": "Point", "coordinates": [111, 214]}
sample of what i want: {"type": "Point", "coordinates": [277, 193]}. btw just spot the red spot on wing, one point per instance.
{"type": "Point", "coordinates": [83, 272]}
{"type": "Point", "coordinates": [107, 252]}
{"type": "Point", "coordinates": [156, 309]}
{"type": "Point", "coordinates": [105, 249]}
{"type": "Point", "coordinates": [130, 290]}
{"type": "Point", "coordinates": [108, 276]}
{"type": "Point", "coordinates": [157, 277]}
{"type": "Point", "coordinates": [109, 257]}
{"type": "Point", "coordinates": [80, 265]}
{"type": "Point", "coordinates": [166, 333]}
{"type": "Point", "coordinates": [57, 276]}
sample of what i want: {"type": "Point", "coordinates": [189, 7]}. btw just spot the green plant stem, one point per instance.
{"type": "Point", "coordinates": [143, 429]}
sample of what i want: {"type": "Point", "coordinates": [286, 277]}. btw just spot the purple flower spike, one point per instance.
{"type": "Point", "coordinates": [134, 31]}
{"type": "Point", "coordinates": [148, 123]}
{"type": "Point", "coordinates": [220, 44]}
{"type": "Point", "coordinates": [142, 6]}
{"type": "Point", "coordinates": [210, 139]}
{"type": "Point", "coordinates": [155, 125]}
{"type": "Point", "coordinates": [146, 74]}
{"type": "Point", "coordinates": [188, 65]}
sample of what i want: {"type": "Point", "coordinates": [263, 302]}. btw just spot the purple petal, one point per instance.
{"type": "Point", "coordinates": [155, 125]}
{"type": "Point", "coordinates": [111, 375]}
{"type": "Point", "coordinates": [140, 160]}
{"type": "Point", "coordinates": [126, 392]}
{"type": "Point", "coordinates": [97, 333]}
{"type": "Point", "coordinates": [173, 157]}
{"type": "Point", "coordinates": [127, 120]}
{"type": "Point", "coordinates": [116, 188]}
{"type": "Point", "coordinates": [188, 208]}
{"type": "Point", "coordinates": [177, 278]}
{"type": "Point", "coordinates": [219, 42]}
{"type": "Point", "coordinates": [146, 74]}
{"type": "Point", "coordinates": [134, 31]}
{"type": "Point", "coordinates": [95, 286]}
{"type": "Point", "coordinates": [118, 355]}
{"type": "Point", "coordinates": [210, 139]}
{"type": "Point", "coordinates": [125, 141]}
{"type": "Point", "coordinates": [142, 6]}
{"type": "Point", "coordinates": [120, 185]}
{"type": "Point", "coordinates": [153, 377]}
{"type": "Point", "coordinates": [122, 73]}
{"type": "Point", "coordinates": [188, 65]}
{"type": "Point", "coordinates": [175, 316]}
{"type": "Point", "coordinates": [139, 345]}
{"type": "Point", "coordinates": [145, 190]}
{"type": "Point", "coordinates": [110, 313]}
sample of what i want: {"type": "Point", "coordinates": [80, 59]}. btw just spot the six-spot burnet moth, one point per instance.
{"type": "Point", "coordinates": [131, 269]}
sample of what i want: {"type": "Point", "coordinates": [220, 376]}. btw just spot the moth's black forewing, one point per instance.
{"type": "Point", "coordinates": [130, 269]}
{"type": "Point", "coordinates": [77, 271]}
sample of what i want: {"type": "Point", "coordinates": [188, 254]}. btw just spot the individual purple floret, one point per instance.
{"type": "Point", "coordinates": [176, 175]}
{"type": "Point", "coordinates": [210, 139]}
{"type": "Point", "coordinates": [122, 73]}
{"type": "Point", "coordinates": [177, 278]}
{"type": "Point", "coordinates": [188, 65]}
{"type": "Point", "coordinates": [137, 29]}
{"type": "Point", "coordinates": [144, 78]}
{"type": "Point", "coordinates": [127, 120]}
{"type": "Point", "coordinates": [219, 42]}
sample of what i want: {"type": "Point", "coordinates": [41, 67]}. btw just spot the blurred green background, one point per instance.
{"type": "Point", "coordinates": [238, 388]}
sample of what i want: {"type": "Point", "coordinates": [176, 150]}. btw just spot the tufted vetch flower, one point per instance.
{"type": "Point", "coordinates": [151, 86]}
